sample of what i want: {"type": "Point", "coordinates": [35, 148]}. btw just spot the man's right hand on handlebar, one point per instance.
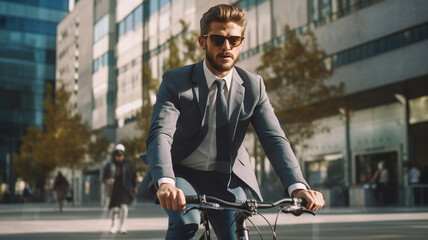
{"type": "Point", "coordinates": [314, 199]}
{"type": "Point", "coordinates": [171, 197]}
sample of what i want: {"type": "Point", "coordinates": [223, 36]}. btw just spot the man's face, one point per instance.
{"type": "Point", "coordinates": [118, 157]}
{"type": "Point", "coordinates": [220, 59]}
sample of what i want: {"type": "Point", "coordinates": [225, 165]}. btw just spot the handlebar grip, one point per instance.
{"type": "Point", "coordinates": [303, 202]}
{"type": "Point", "coordinates": [189, 199]}
{"type": "Point", "coordinates": [192, 199]}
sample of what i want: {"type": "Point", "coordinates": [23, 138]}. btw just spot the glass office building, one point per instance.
{"type": "Point", "coordinates": [27, 63]}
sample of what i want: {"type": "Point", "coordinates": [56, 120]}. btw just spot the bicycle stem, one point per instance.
{"type": "Point", "coordinates": [242, 232]}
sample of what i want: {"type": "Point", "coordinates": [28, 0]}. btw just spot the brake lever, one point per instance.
{"type": "Point", "coordinates": [296, 209]}
{"type": "Point", "coordinates": [308, 211]}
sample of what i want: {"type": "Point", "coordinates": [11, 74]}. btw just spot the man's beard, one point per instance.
{"type": "Point", "coordinates": [220, 67]}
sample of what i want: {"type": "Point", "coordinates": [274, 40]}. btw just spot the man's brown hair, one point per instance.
{"type": "Point", "coordinates": [223, 13]}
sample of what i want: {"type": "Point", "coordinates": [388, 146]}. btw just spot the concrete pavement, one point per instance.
{"type": "Point", "coordinates": [37, 218]}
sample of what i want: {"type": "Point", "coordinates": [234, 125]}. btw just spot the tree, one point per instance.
{"type": "Point", "coordinates": [63, 142]}
{"type": "Point", "coordinates": [194, 52]}
{"type": "Point", "coordinates": [98, 147]}
{"type": "Point", "coordinates": [24, 163]}
{"type": "Point", "coordinates": [189, 40]}
{"type": "Point", "coordinates": [296, 79]}
{"type": "Point", "coordinates": [174, 60]}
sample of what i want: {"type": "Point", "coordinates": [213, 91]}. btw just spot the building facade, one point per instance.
{"type": "Point", "coordinates": [27, 64]}
{"type": "Point", "coordinates": [74, 69]}
{"type": "Point", "coordinates": [377, 48]}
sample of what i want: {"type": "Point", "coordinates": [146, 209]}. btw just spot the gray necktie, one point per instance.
{"type": "Point", "coordinates": [222, 139]}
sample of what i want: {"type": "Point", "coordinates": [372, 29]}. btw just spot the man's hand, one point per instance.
{"type": "Point", "coordinates": [314, 199]}
{"type": "Point", "coordinates": [171, 197]}
{"type": "Point", "coordinates": [110, 181]}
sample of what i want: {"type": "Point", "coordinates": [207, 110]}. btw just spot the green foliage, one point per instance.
{"type": "Point", "coordinates": [63, 142]}
{"type": "Point", "coordinates": [24, 163]}
{"type": "Point", "coordinates": [296, 79]}
{"type": "Point", "coordinates": [174, 60]}
{"type": "Point", "coordinates": [98, 147]}
{"type": "Point", "coordinates": [194, 52]}
{"type": "Point", "coordinates": [189, 41]}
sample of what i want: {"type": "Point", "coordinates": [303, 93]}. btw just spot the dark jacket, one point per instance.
{"type": "Point", "coordinates": [128, 174]}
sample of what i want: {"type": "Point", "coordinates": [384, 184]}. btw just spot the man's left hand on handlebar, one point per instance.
{"type": "Point", "coordinates": [314, 199]}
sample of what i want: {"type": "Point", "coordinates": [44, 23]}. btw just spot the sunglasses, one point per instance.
{"type": "Point", "coordinates": [218, 40]}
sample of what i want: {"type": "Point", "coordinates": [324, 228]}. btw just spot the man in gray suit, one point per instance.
{"type": "Point", "coordinates": [189, 152]}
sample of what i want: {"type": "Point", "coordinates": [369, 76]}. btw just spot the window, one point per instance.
{"type": "Point", "coordinates": [325, 172]}
{"type": "Point", "coordinates": [121, 28]}
{"type": "Point", "coordinates": [101, 28]}
{"type": "Point", "coordinates": [27, 25]}
{"type": "Point", "coordinates": [107, 59]}
{"type": "Point", "coordinates": [314, 10]}
{"type": "Point", "coordinates": [366, 166]}
{"type": "Point", "coordinates": [131, 22]}
{"type": "Point", "coordinates": [153, 6]}
{"type": "Point", "coordinates": [57, 4]}
{"type": "Point", "coordinates": [138, 12]}
{"type": "Point", "coordinates": [382, 45]}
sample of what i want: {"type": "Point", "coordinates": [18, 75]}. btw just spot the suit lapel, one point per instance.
{"type": "Point", "coordinates": [200, 89]}
{"type": "Point", "coordinates": [237, 92]}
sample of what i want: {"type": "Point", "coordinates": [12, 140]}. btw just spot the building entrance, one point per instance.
{"type": "Point", "coordinates": [327, 174]}
{"type": "Point", "coordinates": [366, 166]}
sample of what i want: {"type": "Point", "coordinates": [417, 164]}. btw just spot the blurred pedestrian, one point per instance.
{"type": "Point", "coordinates": [26, 194]}
{"type": "Point", "coordinates": [381, 178]}
{"type": "Point", "coordinates": [119, 176]}
{"type": "Point", "coordinates": [60, 187]}
{"type": "Point", "coordinates": [414, 179]}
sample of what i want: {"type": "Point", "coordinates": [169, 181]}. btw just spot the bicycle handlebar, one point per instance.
{"type": "Point", "coordinates": [295, 205]}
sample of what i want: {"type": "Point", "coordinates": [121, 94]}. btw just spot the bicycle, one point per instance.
{"type": "Point", "coordinates": [244, 210]}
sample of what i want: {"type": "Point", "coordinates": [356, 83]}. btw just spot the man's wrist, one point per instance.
{"type": "Point", "coordinates": [296, 186]}
{"type": "Point", "coordinates": [165, 180]}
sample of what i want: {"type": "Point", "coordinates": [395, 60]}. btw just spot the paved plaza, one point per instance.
{"type": "Point", "coordinates": [147, 221]}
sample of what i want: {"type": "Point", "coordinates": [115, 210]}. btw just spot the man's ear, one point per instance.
{"type": "Point", "coordinates": [201, 41]}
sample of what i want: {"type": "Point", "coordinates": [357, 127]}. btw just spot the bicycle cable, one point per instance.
{"type": "Point", "coordinates": [272, 228]}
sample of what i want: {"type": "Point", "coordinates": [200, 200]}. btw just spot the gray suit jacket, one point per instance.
{"type": "Point", "coordinates": [179, 124]}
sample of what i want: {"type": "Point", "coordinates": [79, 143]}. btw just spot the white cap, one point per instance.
{"type": "Point", "coordinates": [119, 147]}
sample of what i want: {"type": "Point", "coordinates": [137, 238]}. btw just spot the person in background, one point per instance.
{"type": "Point", "coordinates": [60, 187]}
{"type": "Point", "coordinates": [414, 179]}
{"type": "Point", "coordinates": [120, 177]}
{"type": "Point", "coordinates": [26, 194]}
{"type": "Point", "coordinates": [381, 178]}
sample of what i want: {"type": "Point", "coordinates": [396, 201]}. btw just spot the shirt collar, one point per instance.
{"type": "Point", "coordinates": [210, 77]}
